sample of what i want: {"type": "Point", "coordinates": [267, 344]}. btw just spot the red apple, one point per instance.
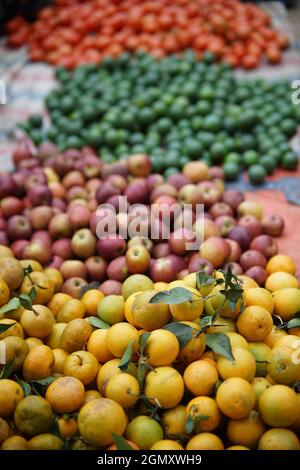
{"type": "Point", "coordinates": [137, 192]}
{"type": "Point", "coordinates": [18, 248]}
{"type": "Point", "coordinates": [153, 181]}
{"type": "Point", "coordinates": [73, 268]}
{"type": "Point", "coordinates": [35, 180]}
{"type": "Point", "coordinates": [118, 269]}
{"type": "Point", "coordinates": [117, 181]}
{"type": "Point", "coordinates": [272, 224]}
{"type": "Point", "coordinates": [137, 259]}
{"type": "Point", "coordinates": [180, 241]}
{"type": "Point", "coordinates": [37, 251]}
{"type": "Point", "coordinates": [90, 166]}
{"type": "Point", "coordinates": [73, 178]}
{"type": "Point", "coordinates": [190, 194]}
{"type": "Point", "coordinates": [216, 250]}
{"type": "Point", "coordinates": [182, 274]}
{"type": "Point", "coordinates": [235, 268]}
{"type": "Point", "coordinates": [185, 218]}
{"type": "Point", "coordinates": [79, 216]}
{"type": "Point", "coordinates": [210, 193]}
{"type": "Point", "coordinates": [139, 165]}
{"type": "Point", "coordinates": [22, 151]}
{"type": "Point", "coordinates": [178, 262]}
{"type": "Point", "coordinates": [40, 217]}
{"type": "Point", "coordinates": [92, 185]}
{"type": "Point", "coordinates": [7, 185]}
{"type": "Point", "coordinates": [225, 224]}
{"type": "Point", "coordinates": [216, 172]}
{"type": "Point", "coordinates": [252, 224]}
{"type": "Point", "coordinates": [178, 180]}
{"type": "Point", "coordinates": [161, 250]}
{"type": "Point", "coordinates": [55, 262]}
{"type": "Point", "coordinates": [39, 196]}
{"type": "Point", "coordinates": [3, 225]}
{"type": "Point", "coordinates": [163, 190]}
{"type": "Point", "coordinates": [46, 150]}
{"type": "Point", "coordinates": [199, 264]}
{"type": "Point", "coordinates": [162, 270]}
{"type": "Point", "coordinates": [83, 243]}
{"type": "Point", "coordinates": [57, 190]}
{"type": "Point", "coordinates": [252, 258]}
{"type": "Point", "coordinates": [59, 226]}
{"type": "Point", "coordinates": [220, 208]}
{"type": "Point", "coordinates": [96, 268]}
{"type": "Point", "coordinates": [3, 238]}
{"type": "Point", "coordinates": [257, 273]}
{"type": "Point", "coordinates": [196, 171]}
{"type": "Point", "coordinates": [62, 164]}
{"type": "Point", "coordinates": [241, 235]}
{"type": "Point", "coordinates": [111, 247]}
{"type": "Point", "coordinates": [73, 287]}
{"type": "Point", "coordinates": [164, 207]}
{"type": "Point", "coordinates": [10, 206]}
{"type": "Point", "coordinates": [266, 245]}
{"type": "Point", "coordinates": [43, 237]}
{"type": "Point", "coordinates": [233, 198]}
{"type": "Point", "coordinates": [118, 168]}
{"type": "Point", "coordinates": [210, 229]}
{"type": "Point", "coordinates": [18, 227]}
{"type": "Point", "coordinates": [62, 248]}
{"type": "Point", "coordinates": [138, 241]}
{"type": "Point", "coordinates": [236, 250]}
{"type": "Point", "coordinates": [76, 192]}
{"type": "Point", "coordinates": [105, 191]}
{"type": "Point", "coordinates": [111, 287]}
{"type": "Point", "coordinates": [58, 205]}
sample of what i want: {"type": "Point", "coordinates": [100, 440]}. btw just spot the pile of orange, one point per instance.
{"type": "Point", "coordinates": [70, 33]}
{"type": "Point", "coordinates": [100, 366]}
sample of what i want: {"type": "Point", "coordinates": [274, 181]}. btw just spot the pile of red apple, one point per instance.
{"type": "Point", "coordinates": [48, 213]}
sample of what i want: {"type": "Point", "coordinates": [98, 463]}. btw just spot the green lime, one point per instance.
{"type": "Point", "coordinates": [257, 174]}
{"type": "Point", "coordinates": [268, 163]}
{"type": "Point", "coordinates": [231, 170]}
{"type": "Point", "coordinates": [250, 157]}
{"type": "Point", "coordinates": [218, 151]}
{"type": "Point", "coordinates": [290, 161]}
{"type": "Point", "coordinates": [233, 157]}
{"type": "Point", "coordinates": [288, 127]}
{"type": "Point", "coordinates": [193, 148]}
{"type": "Point", "coordinates": [35, 121]}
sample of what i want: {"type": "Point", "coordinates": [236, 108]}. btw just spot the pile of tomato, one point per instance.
{"type": "Point", "coordinates": [72, 32]}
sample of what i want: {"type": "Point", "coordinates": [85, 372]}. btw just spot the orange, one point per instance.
{"type": "Point", "coordinates": [200, 378]}
{"type": "Point", "coordinates": [146, 315]}
{"type": "Point", "coordinates": [108, 370]}
{"type": "Point", "coordinates": [33, 415]}
{"type": "Point", "coordinates": [274, 335]}
{"type": "Point", "coordinates": [280, 279]}
{"type": "Point", "coordinates": [75, 335]}
{"type": "Point", "coordinates": [247, 282]}
{"type": "Point", "coordinates": [6, 252]}
{"type": "Point", "coordinates": [111, 309]}
{"type": "Point", "coordinates": [65, 395]}
{"type": "Point", "coordinates": [237, 448]}
{"type": "Point", "coordinates": [235, 398]}
{"type": "Point", "coordinates": [261, 352]}
{"type": "Point", "coordinates": [4, 292]}
{"type": "Point", "coordinates": [35, 265]}
{"type": "Point", "coordinates": [96, 345]}
{"type": "Point", "coordinates": [205, 441]}
{"type": "Point", "coordinates": [189, 310]}
{"type": "Point", "coordinates": [91, 395]}
{"type": "Point", "coordinates": [290, 341]}
{"type": "Point", "coordinates": [15, 443]}
{"type": "Point", "coordinates": [259, 385]}
{"type": "Point", "coordinates": [11, 272]}
{"type": "Point", "coordinates": [90, 300]}
{"type": "Point", "coordinates": [5, 430]}
{"type": "Point", "coordinates": [284, 364]}
{"type": "Point", "coordinates": [45, 442]}
{"type": "Point", "coordinates": [287, 302]}
{"type": "Point", "coordinates": [236, 340]}
{"type": "Point", "coordinates": [257, 296]}
{"type": "Point", "coordinates": [82, 365]}
{"type": "Point", "coordinates": [296, 425]}
{"type": "Point", "coordinates": [60, 357]}
{"type": "Point", "coordinates": [160, 286]}
{"type": "Point", "coordinates": [166, 444]}
{"type": "Point", "coordinates": [254, 323]}
{"type": "Point", "coordinates": [98, 419]}
{"type": "Point", "coordinates": [128, 307]}
{"type": "Point", "coordinates": [131, 444]}
{"type": "Point", "coordinates": [173, 421]}
{"type": "Point", "coordinates": [56, 276]}
{"type": "Point", "coordinates": [44, 287]}
{"type": "Point", "coordinates": [135, 283]}
{"type": "Point", "coordinates": [164, 387]}
{"type": "Point", "coordinates": [33, 342]}
{"type": "Point", "coordinates": [70, 310]}
{"type": "Point", "coordinates": [279, 439]}
{"type": "Point", "coordinates": [222, 325]}
{"type": "Point", "coordinates": [279, 406]}
{"type": "Point", "coordinates": [54, 339]}
{"type": "Point", "coordinates": [246, 431]}
{"type": "Point", "coordinates": [119, 336]}
{"type": "Point", "coordinates": [205, 414]}
{"type": "Point", "coordinates": [67, 427]}
{"type": "Point", "coordinates": [15, 330]}
{"type": "Point", "coordinates": [57, 301]}
{"type": "Point", "coordinates": [281, 263]}
{"type": "Point", "coordinates": [15, 314]}
{"type": "Point", "coordinates": [124, 389]}
{"type": "Point", "coordinates": [16, 349]}
{"type": "Point", "coordinates": [144, 432]}
{"type": "Point", "coordinates": [162, 348]}
{"type": "Point", "coordinates": [194, 349]}
{"type": "Point", "coordinates": [218, 303]}
{"type": "Point", "coordinates": [37, 322]}
{"type": "Point", "coordinates": [10, 395]}
{"type": "Point", "coordinates": [243, 366]}
{"type": "Point", "coordinates": [39, 363]}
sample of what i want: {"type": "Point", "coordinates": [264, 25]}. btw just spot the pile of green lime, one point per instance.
{"type": "Point", "coordinates": [176, 110]}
